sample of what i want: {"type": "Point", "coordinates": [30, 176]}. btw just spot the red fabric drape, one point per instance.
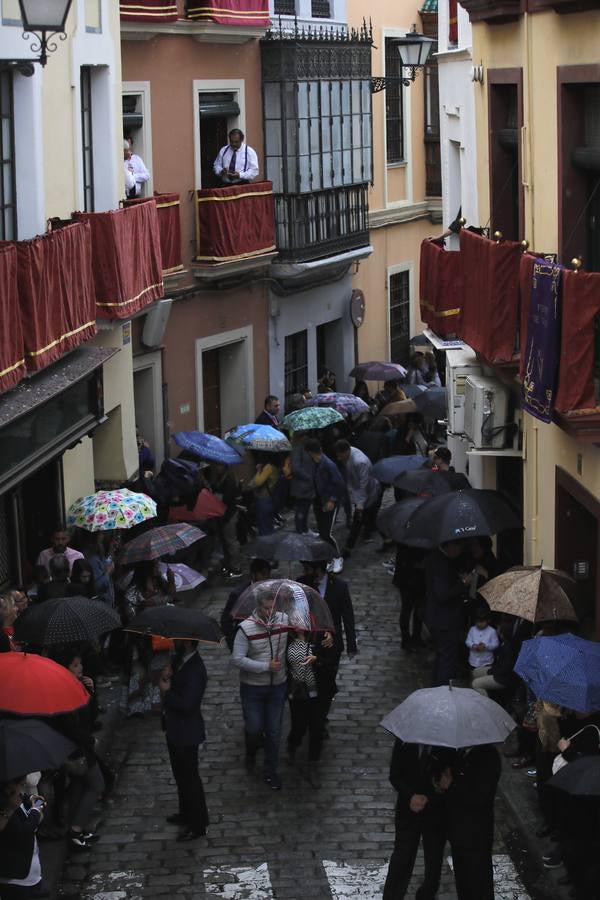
{"type": "Point", "coordinates": [148, 11]}
{"type": "Point", "coordinates": [581, 302]}
{"type": "Point", "coordinates": [525, 278]}
{"type": "Point", "coordinates": [488, 319]}
{"type": "Point", "coordinates": [126, 259]}
{"type": "Point", "coordinates": [169, 227]}
{"type": "Point", "coordinates": [12, 352]}
{"type": "Point", "coordinates": [453, 21]}
{"type": "Point", "coordinates": [56, 293]}
{"type": "Point", "coordinates": [440, 287]}
{"type": "Point", "coordinates": [235, 222]}
{"type": "Point", "coordinates": [230, 12]}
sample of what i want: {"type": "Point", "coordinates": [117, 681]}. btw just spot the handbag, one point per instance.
{"type": "Point", "coordinates": [559, 761]}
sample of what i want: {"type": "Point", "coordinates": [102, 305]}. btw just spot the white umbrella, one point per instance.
{"type": "Point", "coordinates": [186, 578]}
{"type": "Point", "coordinates": [449, 717]}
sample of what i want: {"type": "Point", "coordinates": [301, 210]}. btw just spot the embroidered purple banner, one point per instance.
{"type": "Point", "coordinates": [542, 351]}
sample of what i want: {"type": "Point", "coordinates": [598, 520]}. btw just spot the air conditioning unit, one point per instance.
{"type": "Point", "coordinates": [460, 364]}
{"type": "Point", "coordinates": [485, 411]}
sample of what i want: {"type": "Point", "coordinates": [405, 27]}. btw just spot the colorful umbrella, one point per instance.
{"type": "Point", "coordinates": [28, 745]}
{"type": "Point", "coordinates": [186, 578]}
{"type": "Point", "coordinates": [108, 510]}
{"type": "Point", "coordinates": [532, 593]}
{"type": "Point", "coordinates": [347, 404]}
{"type": "Point", "coordinates": [65, 620]}
{"type": "Point", "coordinates": [378, 371]}
{"type": "Point", "coordinates": [164, 541]}
{"type": "Point", "coordinates": [305, 608]}
{"type": "Point", "coordinates": [32, 685]}
{"type": "Point", "coordinates": [386, 470]}
{"type": "Point", "coordinates": [207, 446]}
{"type": "Point", "coordinates": [258, 437]}
{"type": "Point", "coordinates": [176, 623]}
{"type": "Point", "coordinates": [449, 717]}
{"type": "Point", "coordinates": [562, 669]}
{"type": "Point", "coordinates": [311, 418]}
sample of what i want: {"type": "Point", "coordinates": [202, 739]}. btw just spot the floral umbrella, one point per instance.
{"type": "Point", "coordinates": [312, 418]}
{"type": "Point", "coordinates": [107, 510]}
{"type": "Point", "coordinates": [347, 404]}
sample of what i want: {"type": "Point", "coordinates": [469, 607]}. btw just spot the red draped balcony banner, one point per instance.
{"type": "Point", "coordinates": [169, 226]}
{"type": "Point", "coordinates": [440, 287]}
{"type": "Point", "coordinates": [148, 11]}
{"type": "Point", "coordinates": [234, 223]}
{"type": "Point", "coordinates": [126, 259]}
{"type": "Point", "coordinates": [56, 293]}
{"type": "Point", "coordinates": [581, 303]}
{"type": "Point", "coordinates": [230, 12]}
{"type": "Point", "coordinates": [490, 305]}
{"type": "Point", "coordinates": [12, 351]}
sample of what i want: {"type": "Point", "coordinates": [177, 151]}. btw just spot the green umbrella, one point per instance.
{"type": "Point", "coordinates": [312, 417]}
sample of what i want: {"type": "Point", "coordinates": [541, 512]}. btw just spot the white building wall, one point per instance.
{"type": "Point", "coordinates": [457, 120]}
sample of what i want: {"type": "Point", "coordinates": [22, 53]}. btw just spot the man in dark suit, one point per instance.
{"type": "Point", "coordinates": [182, 692]}
{"type": "Point", "coordinates": [270, 413]}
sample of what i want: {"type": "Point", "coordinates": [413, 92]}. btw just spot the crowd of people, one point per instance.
{"type": "Point", "coordinates": [443, 794]}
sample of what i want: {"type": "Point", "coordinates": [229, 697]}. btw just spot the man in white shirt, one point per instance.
{"type": "Point", "coordinates": [134, 165]}
{"type": "Point", "coordinates": [237, 163]}
{"type": "Point", "coordinates": [59, 545]}
{"type": "Point", "coordinates": [363, 489]}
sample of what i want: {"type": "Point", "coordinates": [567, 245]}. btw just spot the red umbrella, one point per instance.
{"type": "Point", "coordinates": [32, 685]}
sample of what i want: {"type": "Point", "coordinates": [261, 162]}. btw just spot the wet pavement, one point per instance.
{"type": "Point", "coordinates": [301, 843]}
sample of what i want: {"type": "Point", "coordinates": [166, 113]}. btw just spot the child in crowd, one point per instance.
{"type": "Point", "coordinates": [482, 640]}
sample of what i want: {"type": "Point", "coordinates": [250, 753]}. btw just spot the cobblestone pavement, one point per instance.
{"type": "Point", "coordinates": [301, 843]}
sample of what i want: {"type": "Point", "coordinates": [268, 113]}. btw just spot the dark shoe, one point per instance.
{"type": "Point", "coordinates": [175, 819]}
{"type": "Point", "coordinates": [188, 835]}
{"type": "Point", "coordinates": [552, 860]}
{"type": "Point", "coordinates": [274, 781]}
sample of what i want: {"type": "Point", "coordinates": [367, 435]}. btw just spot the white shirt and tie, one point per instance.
{"type": "Point", "coordinates": [137, 172]}
{"type": "Point", "coordinates": [243, 160]}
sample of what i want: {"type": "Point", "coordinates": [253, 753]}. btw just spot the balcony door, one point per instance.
{"type": "Point", "coordinates": [218, 111]}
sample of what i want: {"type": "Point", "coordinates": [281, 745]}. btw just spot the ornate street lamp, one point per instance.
{"type": "Point", "coordinates": [45, 19]}
{"type": "Point", "coordinates": [414, 50]}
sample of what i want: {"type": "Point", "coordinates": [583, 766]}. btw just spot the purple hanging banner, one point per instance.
{"type": "Point", "coordinates": [542, 352]}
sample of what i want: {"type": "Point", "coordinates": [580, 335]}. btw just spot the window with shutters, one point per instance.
{"type": "Point", "coordinates": [399, 314]}
{"type": "Point", "coordinates": [394, 104]}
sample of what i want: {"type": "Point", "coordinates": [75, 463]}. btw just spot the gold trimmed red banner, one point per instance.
{"type": "Point", "coordinates": [148, 11]}
{"type": "Point", "coordinates": [230, 12]}
{"type": "Point", "coordinates": [235, 223]}
{"type": "Point", "coordinates": [12, 355]}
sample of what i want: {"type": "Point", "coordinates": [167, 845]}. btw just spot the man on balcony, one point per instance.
{"type": "Point", "coordinates": [237, 163]}
{"type": "Point", "coordinates": [134, 165]}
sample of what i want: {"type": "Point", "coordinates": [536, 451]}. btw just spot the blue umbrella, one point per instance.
{"type": "Point", "coordinates": [207, 446]}
{"type": "Point", "coordinates": [386, 470]}
{"type": "Point", "coordinates": [563, 669]}
{"type": "Point", "coordinates": [259, 437]}
{"type": "Point", "coordinates": [413, 390]}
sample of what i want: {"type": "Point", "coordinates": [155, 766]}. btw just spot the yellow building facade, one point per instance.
{"type": "Point", "coordinates": [540, 88]}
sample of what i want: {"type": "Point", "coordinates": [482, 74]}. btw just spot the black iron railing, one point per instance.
{"type": "Point", "coordinates": [324, 223]}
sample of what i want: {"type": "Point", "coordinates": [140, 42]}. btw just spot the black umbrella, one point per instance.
{"type": "Point", "coordinates": [392, 521]}
{"type": "Point", "coordinates": [428, 482]}
{"type": "Point", "coordinates": [28, 745]}
{"type": "Point", "coordinates": [458, 515]}
{"type": "Point", "coordinates": [580, 777]}
{"type": "Point", "coordinates": [289, 545]}
{"type": "Point", "coordinates": [66, 620]}
{"type": "Point", "coordinates": [176, 623]}
{"type": "Point", "coordinates": [432, 403]}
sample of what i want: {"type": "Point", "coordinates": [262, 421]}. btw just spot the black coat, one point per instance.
{"type": "Point", "coordinates": [184, 725]}
{"type": "Point", "coordinates": [229, 625]}
{"type": "Point", "coordinates": [263, 418]}
{"type": "Point", "coordinates": [337, 597]}
{"type": "Point", "coordinates": [470, 798]}
{"type": "Point", "coordinates": [444, 601]}
{"type": "Point", "coordinates": [412, 771]}
{"type": "Point", "coordinates": [16, 844]}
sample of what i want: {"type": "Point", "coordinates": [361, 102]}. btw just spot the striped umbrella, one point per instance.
{"type": "Point", "coordinates": [164, 541]}
{"type": "Point", "coordinates": [312, 418]}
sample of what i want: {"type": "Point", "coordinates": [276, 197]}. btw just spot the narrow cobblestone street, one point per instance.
{"type": "Point", "coordinates": [300, 843]}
